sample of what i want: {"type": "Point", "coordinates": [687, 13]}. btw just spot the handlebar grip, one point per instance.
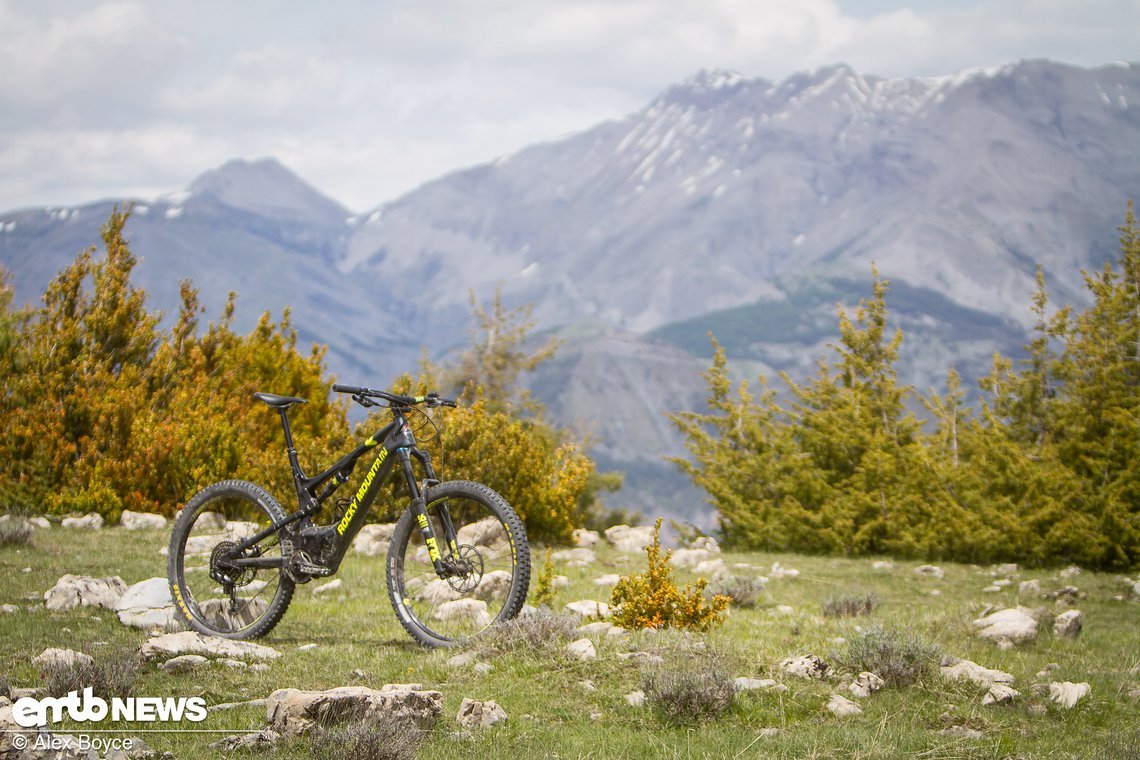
{"type": "Point", "coordinates": [338, 388]}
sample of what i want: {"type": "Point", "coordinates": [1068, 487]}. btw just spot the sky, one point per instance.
{"type": "Point", "coordinates": [367, 99]}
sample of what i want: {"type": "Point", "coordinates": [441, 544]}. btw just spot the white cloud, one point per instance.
{"type": "Point", "coordinates": [366, 99]}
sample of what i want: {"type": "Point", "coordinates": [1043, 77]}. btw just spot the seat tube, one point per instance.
{"type": "Point", "coordinates": [290, 448]}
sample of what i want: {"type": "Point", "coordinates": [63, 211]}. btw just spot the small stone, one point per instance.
{"type": "Point", "coordinates": [476, 714]}
{"type": "Point", "coordinates": [1067, 694]}
{"type": "Point", "coordinates": [1002, 583]}
{"type": "Point", "coordinates": [684, 559]}
{"type": "Point", "coordinates": [90, 521]}
{"type": "Point", "coordinates": [233, 664]}
{"type": "Point", "coordinates": [52, 657]}
{"type": "Point", "coordinates": [607, 580]}
{"type": "Point", "coordinates": [587, 539]}
{"type": "Point", "coordinates": [779, 572]}
{"type": "Point", "coordinates": [1072, 571]}
{"type": "Point", "coordinates": [1007, 569]}
{"type": "Point", "coordinates": [581, 555]}
{"type": "Point", "coordinates": [1000, 694]}
{"type": "Point", "coordinates": [1015, 625]}
{"type": "Point", "coordinates": [713, 569]}
{"type": "Point", "coordinates": [972, 671]}
{"type": "Point", "coordinates": [236, 705]}
{"type": "Point", "coordinates": [635, 698]}
{"type": "Point", "coordinates": [600, 628]}
{"type": "Point", "coordinates": [589, 608]}
{"type": "Point", "coordinates": [882, 564]}
{"type": "Point", "coordinates": [183, 663]}
{"type": "Point", "coordinates": [483, 668]}
{"type": "Point", "coordinates": [326, 588]}
{"type": "Point", "coordinates": [785, 609]}
{"type": "Point", "coordinates": [865, 684]}
{"type": "Point", "coordinates": [1029, 588]}
{"type": "Point", "coordinates": [582, 649]}
{"type": "Point", "coordinates": [72, 591]}
{"type": "Point", "coordinates": [1068, 624]}
{"type": "Point", "coordinates": [147, 605]}
{"type": "Point", "coordinates": [263, 739]}
{"type": "Point", "coordinates": [190, 642]}
{"type": "Point", "coordinates": [141, 521]}
{"type": "Point", "coordinates": [929, 571]}
{"type": "Point", "coordinates": [962, 732]}
{"type": "Point", "coordinates": [752, 684]}
{"type": "Point", "coordinates": [807, 666]}
{"type": "Point", "coordinates": [991, 589]}
{"type": "Point", "coordinates": [1036, 709]}
{"type": "Point", "coordinates": [843, 707]}
{"type": "Point", "coordinates": [766, 733]}
{"type": "Point", "coordinates": [627, 539]}
{"type": "Point", "coordinates": [461, 660]}
{"type": "Point", "coordinates": [306, 647]}
{"type": "Point", "coordinates": [9, 609]}
{"type": "Point", "coordinates": [588, 685]}
{"type": "Point", "coordinates": [259, 667]}
{"type": "Point", "coordinates": [935, 592]}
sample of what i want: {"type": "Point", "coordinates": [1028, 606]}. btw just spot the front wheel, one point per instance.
{"type": "Point", "coordinates": [213, 595]}
{"type": "Point", "coordinates": [488, 565]}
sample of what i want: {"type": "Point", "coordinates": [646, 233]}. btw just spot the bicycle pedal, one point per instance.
{"type": "Point", "coordinates": [309, 568]}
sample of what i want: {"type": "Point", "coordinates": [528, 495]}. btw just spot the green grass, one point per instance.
{"type": "Point", "coordinates": [552, 715]}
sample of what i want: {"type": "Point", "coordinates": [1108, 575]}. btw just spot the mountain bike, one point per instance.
{"type": "Point", "coordinates": [458, 561]}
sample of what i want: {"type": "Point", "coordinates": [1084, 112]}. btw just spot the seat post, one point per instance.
{"type": "Point", "coordinates": [290, 448]}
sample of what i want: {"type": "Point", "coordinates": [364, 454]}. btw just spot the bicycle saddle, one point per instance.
{"type": "Point", "coordinates": [279, 402]}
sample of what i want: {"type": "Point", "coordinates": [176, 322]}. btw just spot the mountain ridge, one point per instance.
{"type": "Point", "coordinates": [724, 203]}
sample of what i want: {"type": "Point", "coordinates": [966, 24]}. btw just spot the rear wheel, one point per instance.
{"type": "Point", "coordinates": [489, 566]}
{"type": "Point", "coordinates": [213, 595]}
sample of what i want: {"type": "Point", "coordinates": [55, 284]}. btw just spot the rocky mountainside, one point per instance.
{"type": "Point", "coordinates": [741, 206]}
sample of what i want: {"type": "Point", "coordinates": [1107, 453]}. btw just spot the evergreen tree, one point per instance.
{"type": "Point", "coordinates": [738, 455]}
{"type": "Point", "coordinates": [498, 356]}
{"type": "Point", "coordinates": [1100, 412]}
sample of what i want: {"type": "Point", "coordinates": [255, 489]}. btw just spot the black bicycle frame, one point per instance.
{"type": "Point", "coordinates": [397, 444]}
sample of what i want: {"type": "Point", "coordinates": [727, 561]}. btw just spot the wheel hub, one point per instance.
{"type": "Point", "coordinates": [222, 568]}
{"type": "Point", "coordinates": [467, 569]}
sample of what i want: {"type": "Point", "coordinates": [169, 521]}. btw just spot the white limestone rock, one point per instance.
{"type": "Point", "coordinates": [475, 714]}
{"type": "Point", "coordinates": [141, 521]}
{"type": "Point", "coordinates": [842, 707]}
{"type": "Point", "coordinates": [147, 605]}
{"type": "Point", "coordinates": [1067, 694]}
{"type": "Point", "coordinates": [1015, 625]}
{"type": "Point", "coordinates": [582, 649]}
{"type": "Point", "coordinates": [72, 591]}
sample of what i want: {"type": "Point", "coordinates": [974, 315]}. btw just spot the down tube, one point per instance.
{"type": "Point", "coordinates": [361, 503]}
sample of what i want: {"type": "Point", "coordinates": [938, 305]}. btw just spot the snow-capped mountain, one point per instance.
{"type": "Point", "coordinates": [723, 185]}
{"type": "Point", "coordinates": [744, 206]}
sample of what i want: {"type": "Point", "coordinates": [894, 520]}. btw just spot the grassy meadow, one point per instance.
{"type": "Point", "coordinates": [552, 713]}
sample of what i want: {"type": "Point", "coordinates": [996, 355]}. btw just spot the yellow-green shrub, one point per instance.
{"type": "Point", "coordinates": [652, 599]}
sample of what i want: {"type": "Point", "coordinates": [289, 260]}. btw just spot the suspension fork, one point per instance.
{"type": "Point", "coordinates": [444, 566]}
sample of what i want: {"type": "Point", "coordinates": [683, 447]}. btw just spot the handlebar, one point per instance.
{"type": "Point", "coordinates": [363, 397]}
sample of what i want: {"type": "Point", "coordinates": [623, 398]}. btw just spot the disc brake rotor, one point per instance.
{"type": "Point", "coordinates": [468, 569]}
